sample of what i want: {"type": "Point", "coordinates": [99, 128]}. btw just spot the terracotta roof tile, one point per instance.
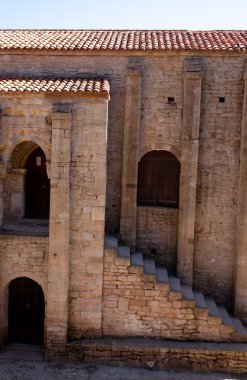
{"type": "Point", "coordinates": [124, 40]}
{"type": "Point", "coordinates": [79, 86]}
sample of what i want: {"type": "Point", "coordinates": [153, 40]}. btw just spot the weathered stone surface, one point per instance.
{"type": "Point", "coordinates": [231, 358]}
{"type": "Point", "coordinates": [92, 162]}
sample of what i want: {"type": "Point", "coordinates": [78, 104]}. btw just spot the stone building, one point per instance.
{"type": "Point", "coordinates": [123, 185]}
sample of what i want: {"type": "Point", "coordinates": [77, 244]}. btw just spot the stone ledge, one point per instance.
{"type": "Point", "coordinates": [161, 354]}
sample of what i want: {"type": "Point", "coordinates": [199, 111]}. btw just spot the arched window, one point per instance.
{"type": "Point", "coordinates": [158, 179]}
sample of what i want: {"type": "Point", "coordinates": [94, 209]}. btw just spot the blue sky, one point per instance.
{"type": "Point", "coordinates": [128, 14]}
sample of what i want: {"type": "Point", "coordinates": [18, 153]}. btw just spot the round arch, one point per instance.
{"type": "Point", "coordinates": [158, 179]}
{"type": "Point", "coordinates": [27, 182]}
{"type": "Point", "coordinates": [26, 311]}
{"type": "Point", "coordinates": [40, 281]}
{"type": "Point", "coordinates": [28, 146]}
{"type": "Point", "coordinates": [160, 146]}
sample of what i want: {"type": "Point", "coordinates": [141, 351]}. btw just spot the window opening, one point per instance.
{"type": "Point", "coordinates": [158, 180]}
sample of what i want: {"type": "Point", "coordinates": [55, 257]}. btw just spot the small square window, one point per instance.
{"type": "Point", "coordinates": [221, 99]}
{"type": "Point", "coordinates": [170, 100]}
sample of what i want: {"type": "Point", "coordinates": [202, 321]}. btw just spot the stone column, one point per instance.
{"type": "Point", "coordinates": [189, 161]}
{"type": "Point", "coordinates": [241, 250]}
{"type": "Point", "coordinates": [87, 223]}
{"type": "Point", "coordinates": [59, 235]}
{"type": "Point", "coordinates": [130, 158]}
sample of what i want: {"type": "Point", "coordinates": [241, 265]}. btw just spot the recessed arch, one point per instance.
{"type": "Point", "coordinates": [27, 189]}
{"type": "Point", "coordinates": [158, 179]}
{"type": "Point", "coordinates": [26, 311]}
{"type": "Point", "coordinates": [17, 142]}
{"type": "Point", "coordinates": [21, 153]}
{"type": "Point", "coordinates": [40, 281]}
{"type": "Point", "coordinates": [160, 146]}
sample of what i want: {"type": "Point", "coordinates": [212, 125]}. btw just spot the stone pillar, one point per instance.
{"type": "Point", "coordinates": [88, 199]}
{"type": "Point", "coordinates": [241, 250]}
{"type": "Point", "coordinates": [130, 158]}
{"type": "Point", "coordinates": [59, 235]}
{"type": "Point", "coordinates": [189, 161]}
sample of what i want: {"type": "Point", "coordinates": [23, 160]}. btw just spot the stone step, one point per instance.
{"type": "Point", "coordinates": [111, 242]}
{"type": "Point", "coordinates": [200, 300]}
{"type": "Point", "coordinates": [239, 327]}
{"type": "Point", "coordinates": [226, 319]}
{"type": "Point", "coordinates": [149, 266]}
{"type": "Point", "coordinates": [162, 275]}
{"type": "Point", "coordinates": [175, 284]}
{"type": "Point", "coordinates": [212, 307]}
{"type": "Point", "coordinates": [124, 252]}
{"type": "Point", "coordinates": [187, 293]}
{"type": "Point", "coordinates": [137, 259]}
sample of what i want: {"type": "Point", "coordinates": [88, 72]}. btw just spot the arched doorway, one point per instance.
{"type": "Point", "coordinates": [26, 311]}
{"type": "Point", "coordinates": [37, 186]}
{"type": "Point", "coordinates": [157, 207]}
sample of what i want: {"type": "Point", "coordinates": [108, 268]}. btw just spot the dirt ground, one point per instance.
{"type": "Point", "coordinates": [39, 370]}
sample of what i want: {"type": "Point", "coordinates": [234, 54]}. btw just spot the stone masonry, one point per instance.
{"type": "Point", "coordinates": [96, 103]}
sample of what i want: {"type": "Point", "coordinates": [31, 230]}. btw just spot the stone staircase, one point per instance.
{"type": "Point", "coordinates": [200, 304]}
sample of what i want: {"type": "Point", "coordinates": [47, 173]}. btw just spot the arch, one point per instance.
{"type": "Point", "coordinates": [158, 179]}
{"type": "Point", "coordinates": [40, 282]}
{"type": "Point", "coordinates": [17, 156]}
{"type": "Point", "coordinates": [17, 141]}
{"type": "Point", "coordinates": [21, 153]}
{"type": "Point", "coordinates": [37, 185]}
{"type": "Point", "coordinates": [160, 146]}
{"type": "Point", "coordinates": [27, 186]}
{"type": "Point", "coordinates": [26, 311]}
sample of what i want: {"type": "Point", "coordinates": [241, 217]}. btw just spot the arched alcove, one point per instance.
{"type": "Point", "coordinates": [157, 207]}
{"type": "Point", "coordinates": [158, 179]}
{"type": "Point", "coordinates": [26, 187]}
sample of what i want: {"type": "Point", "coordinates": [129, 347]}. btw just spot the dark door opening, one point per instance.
{"type": "Point", "coordinates": [37, 186]}
{"type": "Point", "coordinates": [26, 312]}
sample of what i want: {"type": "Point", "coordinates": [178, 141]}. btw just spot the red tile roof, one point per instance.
{"type": "Point", "coordinates": [79, 86]}
{"type": "Point", "coordinates": [124, 40]}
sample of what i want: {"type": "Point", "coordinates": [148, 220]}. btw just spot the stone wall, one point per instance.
{"type": "Point", "coordinates": [27, 117]}
{"type": "Point", "coordinates": [156, 234]}
{"type": "Point", "coordinates": [20, 256]}
{"type": "Point", "coordinates": [218, 176]}
{"type": "Point", "coordinates": [156, 354]}
{"type": "Point", "coordinates": [135, 304]}
{"type": "Point", "coordinates": [73, 134]}
{"type": "Point", "coordinates": [24, 256]}
{"type": "Point", "coordinates": [23, 118]}
{"type": "Point", "coordinates": [112, 68]}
